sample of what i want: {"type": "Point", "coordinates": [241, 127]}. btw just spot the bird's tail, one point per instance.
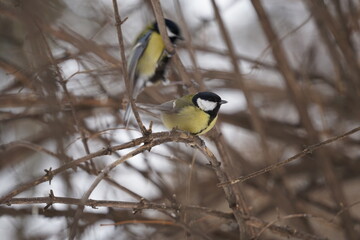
{"type": "Point", "coordinates": [127, 114]}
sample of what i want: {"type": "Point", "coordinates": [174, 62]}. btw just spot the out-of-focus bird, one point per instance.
{"type": "Point", "coordinates": [148, 60]}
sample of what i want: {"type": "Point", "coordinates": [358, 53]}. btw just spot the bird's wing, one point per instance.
{"type": "Point", "coordinates": [135, 86]}
{"type": "Point", "coordinates": [136, 53]}
{"type": "Point", "coordinates": [166, 107]}
{"type": "Point", "coordinates": [174, 106]}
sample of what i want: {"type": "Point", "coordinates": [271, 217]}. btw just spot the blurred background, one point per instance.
{"type": "Point", "coordinates": [288, 69]}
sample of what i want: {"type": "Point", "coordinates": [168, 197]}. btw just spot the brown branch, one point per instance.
{"type": "Point", "coordinates": [284, 231]}
{"type": "Point", "coordinates": [306, 151]}
{"type": "Point", "coordinates": [255, 118]}
{"type": "Point", "coordinates": [283, 64]}
{"type": "Point", "coordinates": [68, 97]}
{"type": "Point", "coordinates": [190, 48]}
{"type": "Point", "coordinates": [253, 222]}
{"type": "Point", "coordinates": [150, 141]}
{"type": "Point", "coordinates": [257, 64]}
{"type": "Point", "coordinates": [104, 172]}
{"type": "Point", "coordinates": [333, 52]}
{"type": "Point", "coordinates": [37, 124]}
{"type": "Point", "coordinates": [338, 31]}
{"type": "Point", "coordinates": [76, 162]}
{"type": "Point", "coordinates": [299, 215]}
{"type": "Point", "coordinates": [193, 140]}
{"type": "Point", "coordinates": [119, 22]}
{"type": "Point", "coordinates": [300, 102]}
{"type": "Point", "coordinates": [29, 145]}
{"type": "Point", "coordinates": [170, 47]}
{"type": "Point", "coordinates": [21, 75]}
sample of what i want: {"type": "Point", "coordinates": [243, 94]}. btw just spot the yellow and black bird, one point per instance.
{"type": "Point", "coordinates": [196, 113]}
{"type": "Point", "coordinates": [148, 59]}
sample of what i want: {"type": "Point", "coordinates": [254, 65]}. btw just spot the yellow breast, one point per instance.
{"type": "Point", "coordinates": [149, 60]}
{"type": "Point", "coordinates": [190, 119]}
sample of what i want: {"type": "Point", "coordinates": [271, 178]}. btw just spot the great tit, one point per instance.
{"type": "Point", "coordinates": [196, 113]}
{"type": "Point", "coordinates": [148, 59]}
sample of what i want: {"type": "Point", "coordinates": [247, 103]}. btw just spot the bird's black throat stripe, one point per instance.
{"type": "Point", "coordinates": [212, 117]}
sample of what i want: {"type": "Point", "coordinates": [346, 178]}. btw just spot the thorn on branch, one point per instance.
{"type": "Point", "coordinates": [52, 197]}
{"type": "Point", "coordinates": [107, 151]}
{"type": "Point", "coordinates": [142, 202]}
{"type": "Point", "coordinates": [141, 206]}
{"type": "Point", "coordinates": [136, 210]}
{"type": "Point", "coordinates": [121, 22]}
{"type": "Point", "coordinates": [217, 165]}
{"type": "Point", "coordinates": [49, 174]}
{"type": "Point", "coordinates": [147, 134]}
{"type": "Point", "coordinates": [149, 130]}
{"type": "Point", "coordinates": [47, 206]}
{"type": "Point", "coordinates": [102, 171]}
{"type": "Point", "coordinates": [308, 150]}
{"type": "Point", "coordinates": [148, 138]}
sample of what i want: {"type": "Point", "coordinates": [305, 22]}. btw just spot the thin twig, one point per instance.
{"type": "Point", "coordinates": [285, 231]}
{"type": "Point", "coordinates": [141, 205]}
{"type": "Point", "coordinates": [190, 48]}
{"type": "Point", "coordinates": [119, 22]}
{"type": "Point", "coordinates": [104, 151]}
{"type": "Point", "coordinates": [68, 97]}
{"type": "Point", "coordinates": [253, 222]}
{"type": "Point", "coordinates": [324, 160]}
{"type": "Point", "coordinates": [306, 151]}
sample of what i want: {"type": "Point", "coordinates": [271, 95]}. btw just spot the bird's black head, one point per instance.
{"type": "Point", "coordinates": [172, 28]}
{"type": "Point", "coordinates": [208, 102]}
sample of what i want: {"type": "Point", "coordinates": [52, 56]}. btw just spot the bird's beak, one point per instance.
{"type": "Point", "coordinates": [223, 101]}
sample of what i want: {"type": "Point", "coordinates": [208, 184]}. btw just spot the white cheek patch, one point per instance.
{"type": "Point", "coordinates": [170, 33]}
{"type": "Point", "coordinates": [206, 105]}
